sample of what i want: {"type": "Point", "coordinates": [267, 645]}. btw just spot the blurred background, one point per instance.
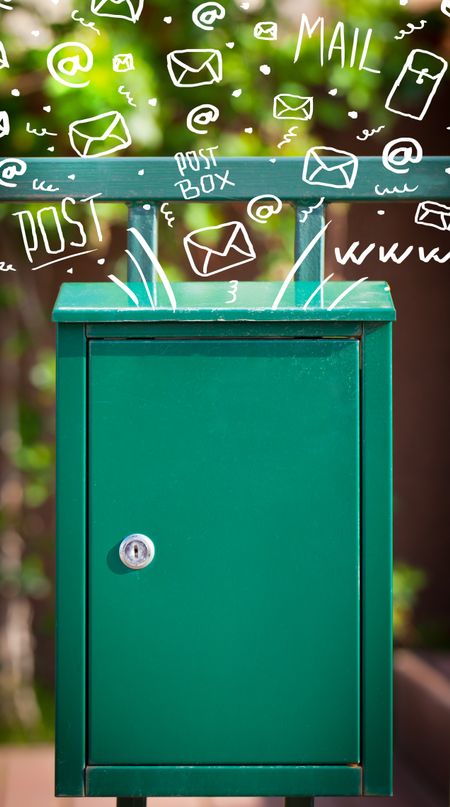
{"type": "Point", "coordinates": [420, 291]}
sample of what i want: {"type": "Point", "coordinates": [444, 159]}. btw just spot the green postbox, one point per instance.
{"type": "Point", "coordinates": [224, 540]}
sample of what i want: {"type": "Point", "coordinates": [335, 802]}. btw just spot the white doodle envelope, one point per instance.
{"type": "Point", "coordinates": [123, 9]}
{"type": "Point", "coordinates": [96, 137]}
{"type": "Point", "coordinates": [266, 30]}
{"type": "Point", "coordinates": [433, 214]}
{"type": "Point", "coordinates": [341, 174]}
{"type": "Point", "coordinates": [237, 249]}
{"type": "Point", "coordinates": [293, 107]}
{"type": "Point", "coordinates": [195, 68]}
{"type": "Point", "coordinates": [4, 124]}
{"type": "Point", "coordinates": [123, 62]}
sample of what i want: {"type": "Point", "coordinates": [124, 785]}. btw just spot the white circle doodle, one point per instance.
{"type": "Point", "coordinates": [271, 206]}
{"type": "Point", "coordinates": [202, 115]}
{"type": "Point", "coordinates": [400, 152]}
{"type": "Point", "coordinates": [9, 169]}
{"type": "Point", "coordinates": [205, 15]}
{"type": "Point", "coordinates": [70, 65]}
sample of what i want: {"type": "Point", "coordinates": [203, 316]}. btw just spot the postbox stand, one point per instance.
{"type": "Point", "coordinates": [330, 350]}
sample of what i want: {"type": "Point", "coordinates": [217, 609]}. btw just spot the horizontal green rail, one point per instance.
{"type": "Point", "coordinates": [133, 179]}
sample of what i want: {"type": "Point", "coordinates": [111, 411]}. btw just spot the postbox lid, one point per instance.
{"type": "Point", "coordinates": [210, 301]}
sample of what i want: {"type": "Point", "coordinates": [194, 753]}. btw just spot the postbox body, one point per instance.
{"type": "Point", "coordinates": [251, 447]}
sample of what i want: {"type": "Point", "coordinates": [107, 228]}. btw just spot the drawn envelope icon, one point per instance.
{"type": "Point", "coordinates": [293, 107]}
{"type": "Point", "coordinates": [195, 68]}
{"type": "Point", "coordinates": [266, 30]}
{"type": "Point", "coordinates": [96, 137]}
{"type": "Point", "coordinates": [236, 251]}
{"type": "Point", "coordinates": [433, 214]}
{"type": "Point", "coordinates": [123, 62]}
{"type": "Point", "coordinates": [123, 9]}
{"type": "Point", "coordinates": [339, 174]}
{"type": "Point", "coordinates": [4, 124]}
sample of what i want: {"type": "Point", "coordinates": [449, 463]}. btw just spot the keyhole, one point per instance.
{"type": "Point", "coordinates": [136, 551]}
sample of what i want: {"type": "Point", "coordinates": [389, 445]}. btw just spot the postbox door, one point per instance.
{"type": "Point", "coordinates": [239, 643]}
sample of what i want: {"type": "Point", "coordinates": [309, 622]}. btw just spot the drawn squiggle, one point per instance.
{"type": "Point", "coordinates": [306, 213]}
{"type": "Point", "coordinates": [367, 134]}
{"type": "Point", "coordinates": [168, 214]}
{"type": "Point", "coordinates": [405, 32]}
{"type": "Point", "coordinates": [288, 137]}
{"type": "Point", "coordinates": [127, 95]}
{"type": "Point", "coordinates": [405, 189]}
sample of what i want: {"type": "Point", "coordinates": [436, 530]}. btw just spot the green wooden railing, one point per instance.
{"type": "Point", "coordinates": [153, 181]}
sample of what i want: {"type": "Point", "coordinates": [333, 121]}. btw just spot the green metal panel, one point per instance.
{"type": "Point", "coordinates": [223, 330]}
{"type": "Point", "coordinates": [119, 179]}
{"type": "Point", "coordinates": [240, 643]}
{"type": "Point", "coordinates": [377, 559]}
{"type": "Point", "coordinates": [227, 780]}
{"type": "Point", "coordinates": [105, 302]}
{"type": "Point", "coordinates": [71, 560]}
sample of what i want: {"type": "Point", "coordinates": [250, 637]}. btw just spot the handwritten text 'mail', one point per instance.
{"type": "Point", "coordinates": [343, 43]}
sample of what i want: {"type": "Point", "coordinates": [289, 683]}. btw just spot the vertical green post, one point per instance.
{"type": "Point", "coordinates": [146, 222]}
{"type": "Point", "coordinates": [306, 227]}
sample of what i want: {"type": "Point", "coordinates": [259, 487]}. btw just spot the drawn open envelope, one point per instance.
{"type": "Point", "coordinates": [4, 124]}
{"type": "Point", "coordinates": [101, 135]}
{"type": "Point", "coordinates": [123, 9]}
{"type": "Point", "coordinates": [293, 107]}
{"type": "Point", "coordinates": [195, 68]}
{"type": "Point", "coordinates": [266, 30]}
{"type": "Point", "coordinates": [237, 249]}
{"type": "Point", "coordinates": [340, 174]}
{"type": "Point", "coordinates": [433, 214]}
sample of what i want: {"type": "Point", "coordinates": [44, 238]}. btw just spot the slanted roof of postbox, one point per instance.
{"type": "Point", "coordinates": [210, 301]}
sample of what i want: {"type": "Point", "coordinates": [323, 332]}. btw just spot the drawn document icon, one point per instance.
{"type": "Point", "coordinates": [293, 107]}
{"type": "Point", "coordinates": [195, 68]}
{"type": "Point", "coordinates": [3, 57]}
{"type": "Point", "coordinates": [341, 173]}
{"type": "Point", "coordinates": [433, 214]}
{"type": "Point", "coordinates": [96, 137]}
{"type": "Point", "coordinates": [419, 79]}
{"type": "Point", "coordinates": [4, 124]}
{"type": "Point", "coordinates": [236, 250]}
{"type": "Point", "coordinates": [123, 9]}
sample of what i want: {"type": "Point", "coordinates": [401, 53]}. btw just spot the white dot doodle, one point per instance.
{"type": "Point", "coordinates": [202, 115]}
{"type": "Point", "coordinates": [9, 169]}
{"type": "Point", "coordinates": [236, 93]}
{"type": "Point", "coordinates": [62, 67]}
{"type": "Point", "coordinates": [398, 153]}
{"type": "Point", "coordinates": [205, 15]}
{"type": "Point", "coordinates": [262, 208]}
{"type": "Point", "coordinates": [265, 69]}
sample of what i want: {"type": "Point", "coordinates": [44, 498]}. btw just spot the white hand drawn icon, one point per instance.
{"type": "Point", "coordinates": [69, 65]}
{"type": "Point", "coordinates": [400, 152]}
{"type": "Point", "coordinates": [123, 62]}
{"type": "Point", "coordinates": [419, 79]}
{"type": "Point", "coordinates": [6, 7]}
{"type": "Point", "coordinates": [195, 68]}
{"type": "Point", "coordinates": [237, 249]}
{"type": "Point", "coordinates": [293, 107]}
{"type": "Point", "coordinates": [202, 115]}
{"type": "Point", "coordinates": [207, 14]}
{"type": "Point", "coordinates": [433, 214]}
{"type": "Point", "coordinates": [96, 137]}
{"type": "Point", "coordinates": [123, 9]}
{"type": "Point", "coordinates": [339, 174]}
{"type": "Point", "coordinates": [268, 31]}
{"type": "Point", "coordinates": [4, 124]}
{"type": "Point", "coordinates": [3, 57]}
{"type": "Point", "coordinates": [262, 208]}
{"type": "Point", "coordinates": [9, 169]}
{"type": "Point", "coordinates": [445, 7]}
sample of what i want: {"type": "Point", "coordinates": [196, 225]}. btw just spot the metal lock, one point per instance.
{"type": "Point", "coordinates": [137, 551]}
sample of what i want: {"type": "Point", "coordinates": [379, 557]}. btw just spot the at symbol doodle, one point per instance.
{"type": "Point", "coordinates": [202, 115]}
{"type": "Point", "coordinates": [261, 208]}
{"type": "Point", "coordinates": [205, 15]}
{"type": "Point", "coordinates": [400, 152]}
{"type": "Point", "coordinates": [9, 169]}
{"type": "Point", "coordinates": [71, 64]}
